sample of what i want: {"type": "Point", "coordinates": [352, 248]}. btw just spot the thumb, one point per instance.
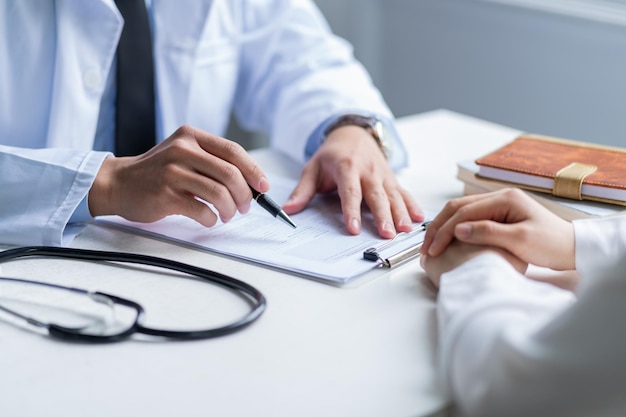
{"type": "Point", "coordinates": [489, 233]}
{"type": "Point", "coordinates": [303, 193]}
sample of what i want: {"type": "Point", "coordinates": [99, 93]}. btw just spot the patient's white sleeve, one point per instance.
{"type": "Point", "coordinates": [511, 346]}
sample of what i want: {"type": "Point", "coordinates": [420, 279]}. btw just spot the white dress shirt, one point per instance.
{"type": "Point", "coordinates": [274, 63]}
{"type": "Point", "coordinates": [515, 347]}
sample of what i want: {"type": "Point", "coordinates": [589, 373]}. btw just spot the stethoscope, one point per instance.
{"type": "Point", "coordinates": [253, 296]}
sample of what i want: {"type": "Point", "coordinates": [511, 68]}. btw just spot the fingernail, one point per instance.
{"type": "Point", "coordinates": [433, 246]}
{"type": "Point", "coordinates": [405, 221]}
{"type": "Point", "coordinates": [244, 209]}
{"type": "Point", "coordinates": [463, 231]}
{"type": "Point", "coordinates": [388, 227]}
{"type": "Point", "coordinates": [419, 216]}
{"type": "Point", "coordinates": [264, 184]}
{"type": "Point", "coordinates": [355, 225]}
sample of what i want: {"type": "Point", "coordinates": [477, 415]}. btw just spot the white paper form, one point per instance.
{"type": "Point", "coordinates": [319, 247]}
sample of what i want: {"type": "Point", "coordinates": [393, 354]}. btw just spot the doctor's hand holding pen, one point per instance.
{"type": "Point", "coordinates": [170, 178]}
{"type": "Point", "coordinates": [192, 164]}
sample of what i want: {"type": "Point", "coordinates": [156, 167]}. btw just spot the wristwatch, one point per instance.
{"type": "Point", "coordinates": [375, 126]}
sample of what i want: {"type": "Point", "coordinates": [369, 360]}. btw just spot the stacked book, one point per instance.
{"type": "Point", "coordinates": [573, 179]}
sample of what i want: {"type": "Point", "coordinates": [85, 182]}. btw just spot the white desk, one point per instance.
{"type": "Point", "coordinates": [317, 351]}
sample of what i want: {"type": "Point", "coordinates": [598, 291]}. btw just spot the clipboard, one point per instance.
{"type": "Point", "coordinates": [319, 248]}
{"type": "Point", "coordinates": [377, 254]}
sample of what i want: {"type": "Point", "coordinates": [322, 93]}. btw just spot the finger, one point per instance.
{"type": "Point", "coordinates": [440, 219]}
{"type": "Point", "coordinates": [236, 155]}
{"type": "Point", "coordinates": [426, 264]}
{"type": "Point", "coordinates": [512, 237]}
{"type": "Point", "coordinates": [459, 211]}
{"type": "Point", "coordinates": [415, 211]}
{"type": "Point", "coordinates": [409, 211]}
{"type": "Point", "coordinates": [188, 149]}
{"type": "Point", "coordinates": [506, 205]}
{"type": "Point", "coordinates": [304, 192]}
{"type": "Point", "coordinates": [350, 194]}
{"type": "Point", "coordinates": [226, 183]}
{"type": "Point", "coordinates": [487, 232]}
{"type": "Point", "coordinates": [423, 261]}
{"type": "Point", "coordinates": [205, 188]}
{"type": "Point", "coordinates": [177, 202]}
{"type": "Point", "coordinates": [229, 176]}
{"type": "Point", "coordinates": [399, 211]}
{"type": "Point", "coordinates": [379, 203]}
{"type": "Point", "coordinates": [188, 206]}
{"type": "Point", "coordinates": [448, 210]}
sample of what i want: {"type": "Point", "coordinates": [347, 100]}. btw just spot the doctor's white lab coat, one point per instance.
{"type": "Point", "coordinates": [275, 63]}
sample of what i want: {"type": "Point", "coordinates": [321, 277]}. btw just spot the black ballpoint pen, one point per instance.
{"type": "Point", "coordinates": [272, 208]}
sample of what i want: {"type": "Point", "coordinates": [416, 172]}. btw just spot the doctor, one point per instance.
{"type": "Point", "coordinates": [274, 63]}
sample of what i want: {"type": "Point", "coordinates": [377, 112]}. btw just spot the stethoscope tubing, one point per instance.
{"type": "Point", "coordinates": [250, 293]}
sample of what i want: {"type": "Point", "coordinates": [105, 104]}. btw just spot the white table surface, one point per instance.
{"type": "Point", "coordinates": [319, 350]}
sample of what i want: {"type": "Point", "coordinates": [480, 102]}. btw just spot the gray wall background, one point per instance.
{"type": "Point", "coordinates": [532, 70]}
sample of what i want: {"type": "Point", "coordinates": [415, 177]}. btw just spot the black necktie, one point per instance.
{"type": "Point", "coordinates": [135, 120]}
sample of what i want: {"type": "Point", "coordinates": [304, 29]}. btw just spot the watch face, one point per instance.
{"type": "Point", "coordinates": [383, 137]}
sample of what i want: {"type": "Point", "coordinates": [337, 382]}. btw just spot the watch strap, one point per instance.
{"type": "Point", "coordinates": [373, 125]}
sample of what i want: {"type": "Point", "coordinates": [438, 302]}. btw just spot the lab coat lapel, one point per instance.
{"type": "Point", "coordinates": [87, 36]}
{"type": "Point", "coordinates": [178, 28]}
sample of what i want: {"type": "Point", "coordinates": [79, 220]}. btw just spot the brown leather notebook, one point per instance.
{"type": "Point", "coordinates": [564, 168]}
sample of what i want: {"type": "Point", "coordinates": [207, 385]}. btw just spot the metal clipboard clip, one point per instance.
{"type": "Point", "coordinates": [374, 253]}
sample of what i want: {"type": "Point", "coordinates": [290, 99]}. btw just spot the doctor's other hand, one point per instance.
{"type": "Point", "coordinates": [457, 253]}
{"type": "Point", "coordinates": [172, 177]}
{"type": "Point", "coordinates": [351, 162]}
{"type": "Point", "coordinates": [509, 219]}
